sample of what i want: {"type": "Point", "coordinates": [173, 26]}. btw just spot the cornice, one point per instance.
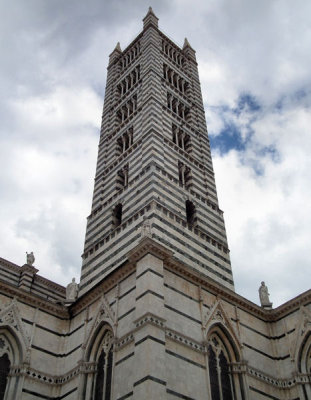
{"type": "Point", "coordinates": [35, 301]}
{"type": "Point", "coordinates": [102, 287]}
{"type": "Point", "coordinates": [149, 246]}
{"type": "Point", "coordinates": [244, 304]}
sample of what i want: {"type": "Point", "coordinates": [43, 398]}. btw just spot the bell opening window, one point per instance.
{"type": "Point", "coordinates": [190, 213]}
{"type": "Point", "coordinates": [117, 215]}
{"type": "Point", "coordinates": [122, 178]}
{"type": "Point", "coordinates": [181, 139]}
{"type": "Point", "coordinates": [125, 141]}
{"type": "Point", "coordinates": [184, 175]}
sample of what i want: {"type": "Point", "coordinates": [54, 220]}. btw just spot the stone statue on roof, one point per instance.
{"type": "Point", "coordinates": [30, 258]}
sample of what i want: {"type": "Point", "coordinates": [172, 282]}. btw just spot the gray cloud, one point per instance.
{"type": "Point", "coordinates": [54, 56]}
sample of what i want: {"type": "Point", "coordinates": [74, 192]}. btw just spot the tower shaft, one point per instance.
{"type": "Point", "coordinates": [154, 163]}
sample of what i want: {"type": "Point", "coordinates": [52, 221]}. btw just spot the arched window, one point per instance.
{"type": "Point", "coordinates": [4, 371]}
{"type": "Point", "coordinates": [221, 381]}
{"type": "Point", "coordinates": [304, 366]}
{"type": "Point", "coordinates": [104, 368]}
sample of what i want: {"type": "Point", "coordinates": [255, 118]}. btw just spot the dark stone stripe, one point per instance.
{"type": "Point", "coordinates": [180, 292]}
{"type": "Point", "coordinates": [202, 243]}
{"type": "Point", "coordinates": [126, 293]}
{"type": "Point", "coordinates": [171, 353]}
{"type": "Point", "coordinates": [150, 292]}
{"type": "Point", "coordinates": [66, 394]}
{"type": "Point", "coordinates": [124, 359]}
{"type": "Point", "coordinates": [265, 354]}
{"type": "Point", "coordinates": [209, 268]}
{"type": "Point", "coordinates": [124, 279]}
{"type": "Point", "coordinates": [51, 331]}
{"type": "Point", "coordinates": [149, 378]}
{"type": "Point", "coordinates": [39, 308]}
{"type": "Point", "coordinates": [55, 354]}
{"type": "Point", "coordinates": [262, 334]}
{"type": "Point", "coordinates": [127, 313]}
{"type": "Point", "coordinates": [126, 396]}
{"type": "Point", "coordinates": [183, 314]}
{"type": "Point", "coordinates": [181, 396]}
{"type": "Point", "coordinates": [42, 396]}
{"type": "Point", "coordinates": [149, 337]}
{"type": "Point", "coordinates": [263, 393]}
{"type": "Point", "coordinates": [149, 270]}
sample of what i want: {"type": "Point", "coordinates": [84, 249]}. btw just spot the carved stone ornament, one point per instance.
{"type": "Point", "coordinates": [302, 327]}
{"type": "Point", "coordinates": [108, 341]}
{"type": "Point", "coordinates": [4, 346]}
{"type": "Point", "coordinates": [104, 314]}
{"type": "Point", "coordinates": [10, 316]}
{"type": "Point", "coordinates": [218, 315]}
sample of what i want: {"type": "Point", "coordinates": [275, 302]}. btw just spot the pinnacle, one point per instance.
{"type": "Point", "coordinates": [150, 18]}
{"type": "Point", "coordinates": [186, 43]}
{"type": "Point", "coordinates": [150, 11]}
{"type": "Point", "coordinates": [118, 47]}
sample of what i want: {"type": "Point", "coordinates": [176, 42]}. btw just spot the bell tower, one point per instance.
{"type": "Point", "coordinates": [154, 163]}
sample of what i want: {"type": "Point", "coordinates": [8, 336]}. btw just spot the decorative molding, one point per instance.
{"type": "Point", "coordinates": [217, 315]}
{"type": "Point", "coordinates": [46, 305]}
{"type": "Point", "coordinates": [226, 294]}
{"type": "Point", "coordinates": [286, 383]}
{"type": "Point", "coordinates": [184, 340]}
{"type": "Point", "coordinates": [124, 341]}
{"type": "Point", "coordinates": [10, 317]}
{"type": "Point", "coordinates": [104, 314]}
{"type": "Point", "coordinates": [146, 246]}
{"type": "Point", "coordinates": [103, 287]}
{"type": "Point", "coordinates": [149, 318]}
{"type": "Point", "coordinates": [302, 327]}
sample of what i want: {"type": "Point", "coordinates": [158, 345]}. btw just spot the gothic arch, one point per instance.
{"type": "Point", "coordinates": [304, 365]}
{"type": "Point", "coordinates": [99, 362]}
{"type": "Point", "coordinates": [222, 355]}
{"type": "Point", "coordinates": [12, 356]}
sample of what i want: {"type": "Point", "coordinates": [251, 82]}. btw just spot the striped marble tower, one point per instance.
{"type": "Point", "coordinates": [154, 171]}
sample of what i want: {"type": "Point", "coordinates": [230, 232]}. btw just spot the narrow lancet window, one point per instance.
{"type": "Point", "coordinates": [125, 141]}
{"type": "Point", "coordinates": [117, 215]}
{"type": "Point", "coordinates": [191, 213]}
{"type": "Point", "coordinates": [104, 370]}
{"type": "Point", "coordinates": [185, 179]}
{"type": "Point", "coordinates": [221, 384]}
{"type": "Point", "coordinates": [4, 372]}
{"type": "Point", "coordinates": [122, 178]}
{"type": "Point", "coordinates": [181, 139]}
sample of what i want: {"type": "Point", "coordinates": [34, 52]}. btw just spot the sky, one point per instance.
{"type": "Point", "coordinates": [254, 63]}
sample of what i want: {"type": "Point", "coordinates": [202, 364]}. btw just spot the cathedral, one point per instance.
{"type": "Point", "coordinates": [155, 314]}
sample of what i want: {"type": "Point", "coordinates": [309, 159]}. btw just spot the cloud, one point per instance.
{"type": "Point", "coordinates": [254, 64]}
